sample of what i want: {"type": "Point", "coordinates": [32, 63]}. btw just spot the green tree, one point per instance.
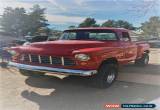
{"type": "Point", "coordinates": [109, 23]}
{"type": "Point", "coordinates": [124, 24]}
{"type": "Point", "coordinates": [17, 22]}
{"type": "Point", "coordinates": [88, 22]}
{"type": "Point", "coordinates": [72, 27]}
{"type": "Point", "coordinates": [152, 27]}
{"type": "Point", "coordinates": [13, 20]}
{"type": "Point", "coordinates": [36, 19]}
{"type": "Point", "coordinates": [118, 24]}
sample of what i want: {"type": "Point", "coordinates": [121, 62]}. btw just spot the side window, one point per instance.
{"type": "Point", "coordinates": [125, 36]}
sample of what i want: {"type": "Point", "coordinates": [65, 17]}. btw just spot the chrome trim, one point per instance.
{"type": "Point", "coordinates": [53, 70]}
{"type": "Point", "coordinates": [50, 59]}
{"type": "Point", "coordinates": [62, 60]}
{"type": "Point", "coordinates": [22, 57]}
{"type": "Point", "coordinates": [30, 59]}
{"type": "Point", "coordinates": [39, 58]}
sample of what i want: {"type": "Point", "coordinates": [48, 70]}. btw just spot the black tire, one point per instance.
{"type": "Point", "coordinates": [142, 61]}
{"type": "Point", "coordinates": [106, 75]}
{"type": "Point", "coordinates": [31, 73]}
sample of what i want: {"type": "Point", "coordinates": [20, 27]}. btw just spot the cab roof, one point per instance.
{"type": "Point", "coordinates": [99, 28]}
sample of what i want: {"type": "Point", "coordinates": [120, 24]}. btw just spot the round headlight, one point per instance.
{"type": "Point", "coordinates": [12, 52]}
{"type": "Point", "coordinates": [82, 57]}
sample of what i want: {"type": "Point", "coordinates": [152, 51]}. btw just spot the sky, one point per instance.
{"type": "Point", "coordinates": [63, 13]}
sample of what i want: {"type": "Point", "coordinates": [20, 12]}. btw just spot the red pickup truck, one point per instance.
{"type": "Point", "coordinates": [95, 52]}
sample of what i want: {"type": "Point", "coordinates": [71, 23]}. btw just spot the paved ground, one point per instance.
{"type": "Point", "coordinates": [146, 75]}
{"type": "Point", "coordinates": [18, 92]}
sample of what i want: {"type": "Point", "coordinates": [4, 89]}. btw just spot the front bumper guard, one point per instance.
{"type": "Point", "coordinates": [53, 70]}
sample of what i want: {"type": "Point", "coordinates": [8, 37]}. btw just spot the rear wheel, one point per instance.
{"type": "Point", "coordinates": [30, 73]}
{"type": "Point", "coordinates": [143, 61]}
{"type": "Point", "coordinates": [106, 75]}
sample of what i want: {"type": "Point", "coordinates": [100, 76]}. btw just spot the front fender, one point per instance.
{"type": "Point", "coordinates": [100, 54]}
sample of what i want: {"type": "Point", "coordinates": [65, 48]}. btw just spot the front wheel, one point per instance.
{"type": "Point", "coordinates": [106, 76]}
{"type": "Point", "coordinates": [30, 73]}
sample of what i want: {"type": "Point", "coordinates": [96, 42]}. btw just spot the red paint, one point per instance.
{"type": "Point", "coordinates": [123, 51]}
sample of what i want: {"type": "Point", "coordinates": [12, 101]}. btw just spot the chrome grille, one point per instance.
{"type": "Point", "coordinates": [69, 62]}
{"type": "Point", "coordinates": [56, 61]}
{"type": "Point", "coordinates": [26, 58]}
{"type": "Point", "coordinates": [34, 59]}
{"type": "Point", "coordinates": [49, 60]}
{"type": "Point", "coordinates": [45, 59]}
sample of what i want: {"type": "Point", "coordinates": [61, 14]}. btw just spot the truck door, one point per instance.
{"type": "Point", "coordinates": [130, 48]}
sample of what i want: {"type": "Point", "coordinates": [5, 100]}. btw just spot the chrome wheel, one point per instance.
{"type": "Point", "coordinates": [146, 60]}
{"type": "Point", "coordinates": [106, 76]}
{"type": "Point", "coordinates": [111, 77]}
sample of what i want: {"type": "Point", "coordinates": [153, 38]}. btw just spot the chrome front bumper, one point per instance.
{"type": "Point", "coordinates": [53, 70]}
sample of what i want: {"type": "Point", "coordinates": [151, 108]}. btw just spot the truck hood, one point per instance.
{"type": "Point", "coordinates": [61, 47]}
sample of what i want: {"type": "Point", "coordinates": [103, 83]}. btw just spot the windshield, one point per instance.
{"type": "Point", "coordinates": [89, 35]}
